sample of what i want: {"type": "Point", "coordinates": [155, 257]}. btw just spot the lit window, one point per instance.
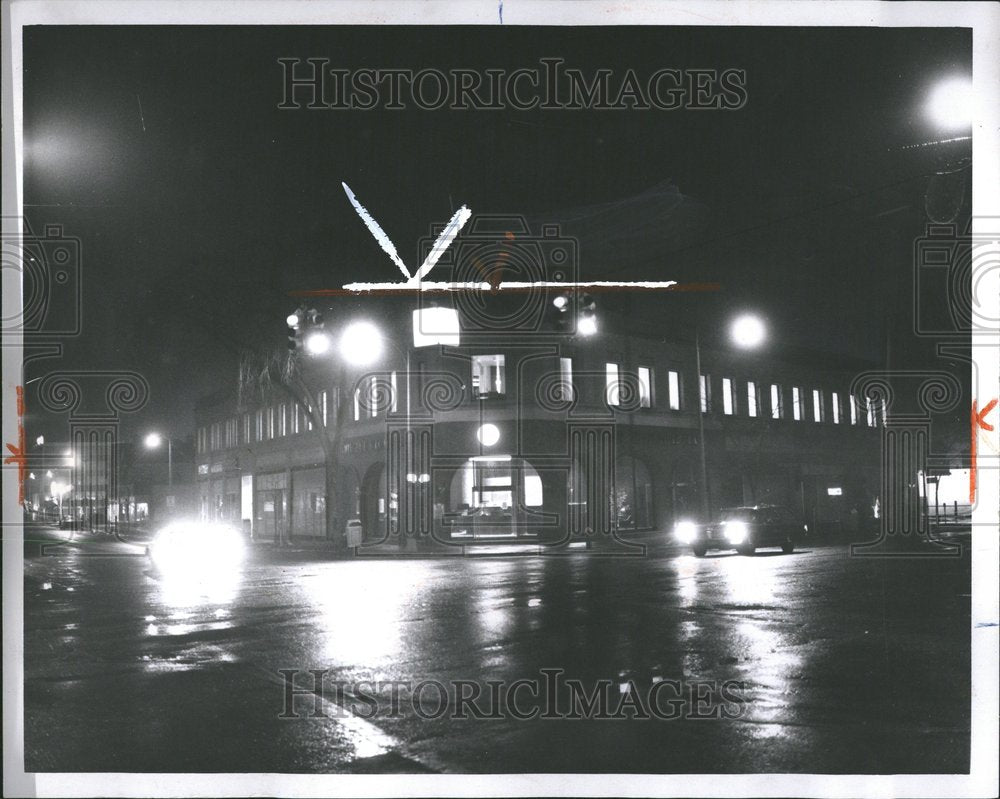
{"type": "Point", "coordinates": [260, 425]}
{"type": "Point", "coordinates": [727, 396]}
{"type": "Point", "coordinates": [775, 401]}
{"type": "Point", "coordinates": [645, 387]}
{"type": "Point", "coordinates": [854, 408]}
{"type": "Point", "coordinates": [246, 428]}
{"type": "Point", "coordinates": [566, 379]}
{"type": "Point", "coordinates": [751, 398]}
{"type": "Point", "coordinates": [296, 419]}
{"type": "Point", "coordinates": [282, 413]}
{"type": "Point", "coordinates": [612, 384]}
{"type": "Point", "coordinates": [488, 376]}
{"type": "Point", "coordinates": [373, 396]}
{"type": "Point", "coordinates": [321, 399]}
{"type": "Point", "coordinates": [817, 406]}
{"type": "Point", "coordinates": [871, 411]}
{"type": "Point", "coordinates": [270, 423]}
{"type": "Point", "coordinates": [394, 399]}
{"type": "Point", "coordinates": [357, 404]}
{"type": "Point", "coordinates": [796, 404]}
{"type": "Point", "coordinates": [705, 390]}
{"type": "Point", "coordinates": [674, 390]}
{"type": "Point", "coordinates": [835, 402]}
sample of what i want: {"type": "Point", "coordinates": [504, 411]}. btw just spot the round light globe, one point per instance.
{"type": "Point", "coordinates": [951, 104]}
{"type": "Point", "coordinates": [488, 434]}
{"type": "Point", "coordinates": [361, 343]}
{"type": "Point", "coordinates": [748, 332]}
{"type": "Point", "coordinates": [153, 440]}
{"type": "Point", "coordinates": [317, 343]}
{"type": "Point", "coordinates": [586, 326]}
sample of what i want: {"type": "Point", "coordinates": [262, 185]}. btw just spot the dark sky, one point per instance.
{"type": "Point", "coordinates": [199, 204]}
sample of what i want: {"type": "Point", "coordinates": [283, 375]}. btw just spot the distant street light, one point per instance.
{"type": "Point", "coordinates": [361, 343]}
{"type": "Point", "coordinates": [586, 325]}
{"type": "Point", "coordinates": [748, 331]}
{"type": "Point", "coordinates": [951, 103]}
{"type": "Point", "coordinates": [153, 441]}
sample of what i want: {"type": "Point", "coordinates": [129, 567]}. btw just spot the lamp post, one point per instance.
{"type": "Point", "coordinates": [153, 441]}
{"type": "Point", "coordinates": [747, 332]}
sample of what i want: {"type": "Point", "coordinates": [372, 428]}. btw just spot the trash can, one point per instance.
{"type": "Point", "coordinates": [354, 531]}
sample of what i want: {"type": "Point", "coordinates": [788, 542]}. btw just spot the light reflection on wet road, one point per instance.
{"type": "Point", "coordinates": [132, 670]}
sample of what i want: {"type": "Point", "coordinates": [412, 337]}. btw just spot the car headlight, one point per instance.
{"type": "Point", "coordinates": [685, 532]}
{"type": "Point", "coordinates": [196, 546]}
{"type": "Point", "coordinates": [736, 532]}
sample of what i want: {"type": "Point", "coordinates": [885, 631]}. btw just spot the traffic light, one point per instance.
{"type": "Point", "coordinates": [561, 312]}
{"type": "Point", "coordinates": [586, 319]}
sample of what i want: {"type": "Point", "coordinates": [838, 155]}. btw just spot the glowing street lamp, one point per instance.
{"type": "Point", "coordinates": [747, 331]}
{"type": "Point", "coordinates": [361, 343]}
{"type": "Point", "coordinates": [951, 103]}
{"type": "Point", "coordinates": [153, 441]}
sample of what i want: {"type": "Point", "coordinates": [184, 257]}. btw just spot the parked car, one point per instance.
{"type": "Point", "coordinates": [744, 529]}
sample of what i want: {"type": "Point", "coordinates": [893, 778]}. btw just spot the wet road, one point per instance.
{"type": "Point", "coordinates": [811, 662]}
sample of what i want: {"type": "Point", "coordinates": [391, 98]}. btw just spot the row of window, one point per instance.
{"type": "Point", "coordinates": [373, 398]}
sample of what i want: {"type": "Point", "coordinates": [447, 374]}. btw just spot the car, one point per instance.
{"type": "Point", "coordinates": [195, 546]}
{"type": "Point", "coordinates": [745, 529]}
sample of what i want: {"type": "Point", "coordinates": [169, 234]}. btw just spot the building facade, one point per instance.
{"type": "Point", "coordinates": [537, 434]}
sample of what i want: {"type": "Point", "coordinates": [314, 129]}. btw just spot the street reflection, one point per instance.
{"type": "Point", "coordinates": [361, 608]}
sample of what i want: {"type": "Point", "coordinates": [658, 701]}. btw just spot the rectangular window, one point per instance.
{"type": "Point", "coordinates": [394, 388]}
{"type": "Point", "coordinates": [282, 424]}
{"type": "Point", "coordinates": [260, 425]}
{"type": "Point", "coordinates": [232, 432]}
{"type": "Point", "coordinates": [357, 404]}
{"type": "Point", "coordinates": [751, 398]}
{"type": "Point", "coordinates": [215, 442]}
{"type": "Point", "coordinates": [373, 395]}
{"type": "Point", "coordinates": [566, 379]}
{"type": "Point", "coordinates": [871, 411]}
{"type": "Point", "coordinates": [321, 399]}
{"type": "Point", "coordinates": [705, 390]}
{"type": "Point", "coordinates": [296, 419]}
{"type": "Point", "coordinates": [612, 388]}
{"type": "Point", "coordinates": [796, 404]}
{"type": "Point", "coordinates": [246, 428]}
{"type": "Point", "coordinates": [674, 390]}
{"type": "Point", "coordinates": [817, 406]}
{"type": "Point", "coordinates": [645, 387]}
{"type": "Point", "coordinates": [776, 408]}
{"type": "Point", "coordinates": [488, 379]}
{"type": "Point", "coordinates": [835, 404]}
{"type": "Point", "coordinates": [854, 408]}
{"type": "Point", "coordinates": [728, 406]}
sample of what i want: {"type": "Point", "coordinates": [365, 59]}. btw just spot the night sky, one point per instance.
{"type": "Point", "coordinates": [200, 204]}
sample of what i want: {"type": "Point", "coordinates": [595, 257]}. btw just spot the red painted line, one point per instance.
{"type": "Point", "coordinates": [19, 453]}
{"type": "Point", "coordinates": [978, 422]}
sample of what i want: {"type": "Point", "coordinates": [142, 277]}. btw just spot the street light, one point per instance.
{"type": "Point", "coordinates": [361, 343]}
{"type": "Point", "coordinates": [153, 441]}
{"type": "Point", "coordinates": [951, 103]}
{"type": "Point", "coordinates": [747, 331]}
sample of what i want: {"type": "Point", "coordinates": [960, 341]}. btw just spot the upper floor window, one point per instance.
{"type": "Point", "coordinates": [612, 384]}
{"type": "Point", "coordinates": [246, 428]}
{"type": "Point", "coordinates": [216, 437]}
{"type": "Point", "coordinates": [728, 404]}
{"type": "Point", "coordinates": [751, 398]}
{"type": "Point", "coordinates": [835, 406]}
{"type": "Point", "coordinates": [270, 423]}
{"type": "Point", "coordinates": [232, 432]}
{"type": "Point", "coordinates": [260, 424]}
{"type": "Point", "coordinates": [817, 406]}
{"type": "Point", "coordinates": [566, 379]}
{"type": "Point", "coordinates": [394, 389]}
{"type": "Point", "coordinates": [777, 411]}
{"type": "Point", "coordinates": [853, 403]}
{"type": "Point", "coordinates": [373, 390]}
{"type": "Point", "coordinates": [674, 390]}
{"type": "Point", "coordinates": [357, 404]}
{"type": "Point", "coordinates": [796, 404]}
{"type": "Point", "coordinates": [321, 399]}
{"type": "Point", "coordinates": [705, 392]}
{"type": "Point", "coordinates": [645, 376]}
{"type": "Point", "coordinates": [872, 420]}
{"type": "Point", "coordinates": [282, 416]}
{"type": "Point", "coordinates": [488, 379]}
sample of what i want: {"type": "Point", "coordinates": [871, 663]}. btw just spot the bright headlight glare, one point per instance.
{"type": "Point", "coordinates": [685, 532]}
{"type": "Point", "coordinates": [736, 532]}
{"type": "Point", "coordinates": [196, 546]}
